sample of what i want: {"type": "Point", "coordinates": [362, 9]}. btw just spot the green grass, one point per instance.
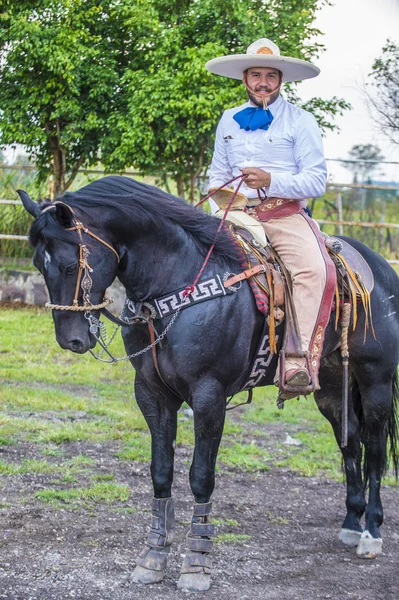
{"type": "Point", "coordinates": [100, 493]}
{"type": "Point", "coordinates": [52, 398]}
{"type": "Point", "coordinates": [232, 538]}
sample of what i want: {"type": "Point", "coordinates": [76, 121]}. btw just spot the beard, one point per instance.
{"type": "Point", "coordinates": [259, 102]}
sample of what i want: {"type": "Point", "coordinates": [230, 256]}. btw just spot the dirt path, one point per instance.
{"type": "Point", "coordinates": [290, 551]}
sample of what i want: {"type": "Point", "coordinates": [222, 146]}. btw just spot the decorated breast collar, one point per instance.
{"type": "Point", "coordinates": [167, 305]}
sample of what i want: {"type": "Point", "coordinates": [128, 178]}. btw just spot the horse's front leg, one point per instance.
{"type": "Point", "coordinates": [209, 405]}
{"type": "Point", "coordinates": [162, 421]}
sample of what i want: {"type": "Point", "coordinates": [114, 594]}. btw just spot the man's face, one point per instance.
{"type": "Point", "coordinates": [264, 81]}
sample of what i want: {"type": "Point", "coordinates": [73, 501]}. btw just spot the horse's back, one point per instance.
{"type": "Point", "coordinates": [384, 309]}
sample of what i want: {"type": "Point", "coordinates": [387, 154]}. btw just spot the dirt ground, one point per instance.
{"type": "Point", "coordinates": [292, 552]}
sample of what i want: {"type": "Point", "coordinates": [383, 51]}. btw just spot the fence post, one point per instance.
{"type": "Point", "coordinates": [338, 204]}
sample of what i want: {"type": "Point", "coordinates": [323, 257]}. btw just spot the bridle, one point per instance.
{"type": "Point", "coordinates": [83, 281]}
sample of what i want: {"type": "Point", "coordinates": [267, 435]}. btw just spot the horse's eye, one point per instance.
{"type": "Point", "coordinates": [70, 269]}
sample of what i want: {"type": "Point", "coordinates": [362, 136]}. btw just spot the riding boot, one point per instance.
{"type": "Point", "coordinates": [197, 564]}
{"type": "Point", "coordinates": [151, 562]}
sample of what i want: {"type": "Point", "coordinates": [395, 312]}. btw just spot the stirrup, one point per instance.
{"type": "Point", "coordinates": [292, 391]}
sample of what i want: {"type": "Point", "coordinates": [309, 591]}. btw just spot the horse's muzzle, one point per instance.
{"type": "Point", "coordinates": [77, 345]}
{"type": "Point", "coordinates": [75, 339]}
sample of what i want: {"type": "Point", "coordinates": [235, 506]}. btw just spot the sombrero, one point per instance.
{"type": "Point", "coordinates": [262, 53]}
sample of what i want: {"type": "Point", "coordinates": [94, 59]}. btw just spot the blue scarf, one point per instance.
{"type": "Point", "coordinates": [252, 118]}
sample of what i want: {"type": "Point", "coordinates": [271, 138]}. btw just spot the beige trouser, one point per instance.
{"type": "Point", "coordinates": [296, 244]}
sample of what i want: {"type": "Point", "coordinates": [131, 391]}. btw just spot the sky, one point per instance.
{"type": "Point", "coordinates": [355, 33]}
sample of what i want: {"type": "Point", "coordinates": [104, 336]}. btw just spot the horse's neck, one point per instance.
{"type": "Point", "coordinates": [155, 264]}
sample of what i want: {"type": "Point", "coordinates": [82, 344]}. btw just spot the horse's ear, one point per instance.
{"type": "Point", "coordinates": [32, 207]}
{"type": "Point", "coordinates": [63, 214]}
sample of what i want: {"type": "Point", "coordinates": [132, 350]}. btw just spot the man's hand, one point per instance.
{"type": "Point", "coordinates": [257, 178]}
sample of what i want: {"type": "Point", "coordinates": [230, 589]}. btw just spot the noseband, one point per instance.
{"type": "Point", "coordinates": [84, 280]}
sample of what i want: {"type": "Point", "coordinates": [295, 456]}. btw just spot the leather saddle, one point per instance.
{"type": "Point", "coordinates": [271, 284]}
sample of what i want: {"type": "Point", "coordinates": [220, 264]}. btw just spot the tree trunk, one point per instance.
{"type": "Point", "coordinates": [180, 186]}
{"type": "Point", "coordinates": [59, 166]}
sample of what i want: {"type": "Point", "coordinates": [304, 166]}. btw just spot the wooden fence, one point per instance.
{"type": "Point", "coordinates": [339, 223]}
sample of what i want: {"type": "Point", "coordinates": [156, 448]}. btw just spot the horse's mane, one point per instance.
{"type": "Point", "coordinates": [145, 206]}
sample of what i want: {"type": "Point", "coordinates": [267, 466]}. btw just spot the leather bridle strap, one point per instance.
{"type": "Point", "coordinates": [79, 227]}
{"type": "Point", "coordinates": [84, 266]}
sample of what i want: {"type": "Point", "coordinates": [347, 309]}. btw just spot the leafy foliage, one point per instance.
{"type": "Point", "coordinates": [59, 78]}
{"type": "Point", "coordinates": [172, 104]}
{"type": "Point", "coordinates": [383, 92]}
{"type": "Point", "coordinates": [124, 81]}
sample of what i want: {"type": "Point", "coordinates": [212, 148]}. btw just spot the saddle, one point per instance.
{"type": "Point", "coordinates": [272, 288]}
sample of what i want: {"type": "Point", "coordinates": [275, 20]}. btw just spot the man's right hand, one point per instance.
{"type": "Point", "coordinates": [256, 178]}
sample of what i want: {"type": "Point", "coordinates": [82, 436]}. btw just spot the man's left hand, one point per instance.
{"type": "Point", "coordinates": [257, 178]}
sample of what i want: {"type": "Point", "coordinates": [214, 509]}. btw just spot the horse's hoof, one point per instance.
{"type": "Point", "coordinates": [350, 537]}
{"type": "Point", "coordinates": [142, 575]}
{"type": "Point", "coordinates": [194, 582]}
{"type": "Point", "coordinates": [368, 546]}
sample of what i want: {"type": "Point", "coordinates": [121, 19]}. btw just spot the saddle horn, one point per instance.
{"type": "Point", "coordinates": [32, 207]}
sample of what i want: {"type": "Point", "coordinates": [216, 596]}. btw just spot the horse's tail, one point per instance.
{"type": "Point", "coordinates": [393, 427]}
{"type": "Point", "coordinates": [391, 458]}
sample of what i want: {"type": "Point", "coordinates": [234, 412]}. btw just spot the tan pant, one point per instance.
{"type": "Point", "coordinates": [296, 244]}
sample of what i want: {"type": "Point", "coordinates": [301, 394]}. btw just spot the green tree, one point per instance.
{"type": "Point", "coordinates": [60, 67]}
{"type": "Point", "coordinates": [172, 104]}
{"type": "Point", "coordinates": [383, 91]}
{"type": "Point", "coordinates": [124, 81]}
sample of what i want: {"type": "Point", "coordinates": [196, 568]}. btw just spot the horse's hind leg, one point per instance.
{"type": "Point", "coordinates": [328, 400]}
{"type": "Point", "coordinates": [162, 421]}
{"type": "Point", "coordinates": [209, 405]}
{"type": "Point", "coordinates": [376, 389]}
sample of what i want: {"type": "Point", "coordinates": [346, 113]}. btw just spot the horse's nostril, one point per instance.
{"type": "Point", "coordinates": [76, 345]}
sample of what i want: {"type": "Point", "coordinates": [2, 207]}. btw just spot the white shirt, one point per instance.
{"type": "Point", "coordinates": [291, 150]}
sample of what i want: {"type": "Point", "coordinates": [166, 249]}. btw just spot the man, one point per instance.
{"type": "Point", "coordinates": [278, 146]}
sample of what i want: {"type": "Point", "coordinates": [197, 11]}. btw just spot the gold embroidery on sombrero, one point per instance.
{"type": "Point", "coordinates": [265, 50]}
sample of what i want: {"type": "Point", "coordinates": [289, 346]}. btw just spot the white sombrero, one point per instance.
{"type": "Point", "coordinates": [262, 53]}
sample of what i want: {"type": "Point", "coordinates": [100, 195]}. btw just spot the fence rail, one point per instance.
{"type": "Point", "coordinates": [320, 221]}
{"type": "Point", "coordinates": [385, 242]}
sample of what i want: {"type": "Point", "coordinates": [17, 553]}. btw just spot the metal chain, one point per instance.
{"type": "Point", "coordinates": [94, 326]}
{"type": "Point", "coordinates": [134, 354]}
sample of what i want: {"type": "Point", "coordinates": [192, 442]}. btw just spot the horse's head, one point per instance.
{"type": "Point", "coordinates": [77, 264]}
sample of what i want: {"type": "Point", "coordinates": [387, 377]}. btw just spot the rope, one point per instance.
{"type": "Point", "coordinates": [76, 308]}
{"type": "Point", "coordinates": [218, 189]}
{"type": "Point", "coordinates": [190, 288]}
{"type": "Point", "coordinates": [346, 313]}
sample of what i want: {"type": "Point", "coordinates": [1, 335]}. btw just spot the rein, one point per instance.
{"type": "Point", "coordinates": [84, 281]}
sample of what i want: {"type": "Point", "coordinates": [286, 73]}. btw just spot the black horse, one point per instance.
{"type": "Point", "coordinates": [155, 244]}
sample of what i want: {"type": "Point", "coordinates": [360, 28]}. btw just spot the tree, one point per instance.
{"type": "Point", "coordinates": [383, 91]}
{"type": "Point", "coordinates": [60, 67]}
{"type": "Point", "coordinates": [172, 104]}
{"type": "Point", "coordinates": [366, 159]}
{"type": "Point", "coordinates": [124, 81]}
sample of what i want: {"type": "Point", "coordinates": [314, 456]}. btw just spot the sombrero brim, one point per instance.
{"type": "Point", "coordinates": [293, 69]}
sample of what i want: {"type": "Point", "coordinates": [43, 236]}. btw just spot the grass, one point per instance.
{"type": "Point", "coordinates": [232, 538]}
{"type": "Point", "coordinates": [87, 497]}
{"type": "Point", "coordinates": [51, 399]}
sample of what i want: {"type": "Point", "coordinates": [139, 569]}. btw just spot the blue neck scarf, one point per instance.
{"type": "Point", "coordinates": [252, 118]}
